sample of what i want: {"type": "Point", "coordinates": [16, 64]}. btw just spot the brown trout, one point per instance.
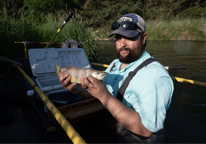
{"type": "Point", "coordinates": [75, 73]}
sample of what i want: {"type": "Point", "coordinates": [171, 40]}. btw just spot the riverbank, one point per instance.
{"type": "Point", "coordinates": [26, 29]}
{"type": "Point", "coordinates": [175, 29]}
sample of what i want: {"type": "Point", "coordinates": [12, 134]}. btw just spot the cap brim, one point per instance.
{"type": "Point", "coordinates": [127, 33]}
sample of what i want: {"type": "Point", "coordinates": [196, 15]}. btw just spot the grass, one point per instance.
{"type": "Point", "coordinates": [26, 29]}
{"type": "Point", "coordinates": [175, 29]}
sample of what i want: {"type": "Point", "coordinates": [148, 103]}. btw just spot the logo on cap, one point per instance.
{"type": "Point", "coordinates": [124, 19]}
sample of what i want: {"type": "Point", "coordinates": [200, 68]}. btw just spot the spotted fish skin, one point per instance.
{"type": "Point", "coordinates": [75, 73]}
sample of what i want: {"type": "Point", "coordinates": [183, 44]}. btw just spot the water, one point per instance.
{"type": "Point", "coordinates": [189, 53]}
{"type": "Point", "coordinates": [170, 53]}
{"type": "Point", "coordinates": [186, 118]}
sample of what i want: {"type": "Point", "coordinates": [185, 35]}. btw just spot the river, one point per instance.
{"type": "Point", "coordinates": [186, 117]}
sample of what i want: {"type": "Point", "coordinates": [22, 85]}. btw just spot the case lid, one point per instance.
{"type": "Point", "coordinates": [42, 60]}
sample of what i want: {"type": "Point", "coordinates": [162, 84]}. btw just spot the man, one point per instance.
{"type": "Point", "coordinates": [138, 105]}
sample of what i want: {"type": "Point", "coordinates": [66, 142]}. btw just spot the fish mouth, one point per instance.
{"type": "Point", "coordinates": [100, 77]}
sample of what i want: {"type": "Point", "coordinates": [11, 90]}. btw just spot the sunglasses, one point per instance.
{"type": "Point", "coordinates": [127, 25]}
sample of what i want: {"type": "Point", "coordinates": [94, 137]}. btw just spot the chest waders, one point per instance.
{"type": "Point", "coordinates": [116, 132]}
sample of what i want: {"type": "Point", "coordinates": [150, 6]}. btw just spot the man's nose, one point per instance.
{"type": "Point", "coordinates": [123, 42]}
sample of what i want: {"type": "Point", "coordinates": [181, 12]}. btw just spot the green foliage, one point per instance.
{"type": "Point", "coordinates": [177, 29]}
{"type": "Point", "coordinates": [35, 20]}
{"type": "Point", "coordinates": [98, 14]}
{"type": "Point", "coordinates": [12, 7]}
{"type": "Point", "coordinates": [26, 30]}
{"type": "Point", "coordinates": [39, 8]}
{"type": "Point", "coordinates": [101, 14]}
{"type": "Point", "coordinates": [14, 30]}
{"type": "Point", "coordinates": [197, 12]}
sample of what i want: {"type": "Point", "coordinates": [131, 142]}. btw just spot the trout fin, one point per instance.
{"type": "Point", "coordinates": [57, 68]}
{"type": "Point", "coordinates": [70, 66]}
{"type": "Point", "coordinates": [83, 85]}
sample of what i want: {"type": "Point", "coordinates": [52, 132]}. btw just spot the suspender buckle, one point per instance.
{"type": "Point", "coordinates": [132, 73]}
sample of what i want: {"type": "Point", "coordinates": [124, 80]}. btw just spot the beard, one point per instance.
{"type": "Point", "coordinates": [131, 57]}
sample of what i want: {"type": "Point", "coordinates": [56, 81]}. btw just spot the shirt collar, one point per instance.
{"type": "Point", "coordinates": [143, 57]}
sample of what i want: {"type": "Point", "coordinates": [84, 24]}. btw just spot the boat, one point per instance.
{"type": "Point", "coordinates": [39, 67]}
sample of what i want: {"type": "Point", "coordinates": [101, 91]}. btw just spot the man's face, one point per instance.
{"type": "Point", "coordinates": [129, 49]}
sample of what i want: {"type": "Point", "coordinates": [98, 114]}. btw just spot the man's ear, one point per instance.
{"type": "Point", "coordinates": [144, 38]}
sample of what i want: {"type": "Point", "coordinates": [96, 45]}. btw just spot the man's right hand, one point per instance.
{"type": "Point", "coordinates": [65, 81]}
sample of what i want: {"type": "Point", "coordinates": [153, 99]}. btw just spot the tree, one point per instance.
{"type": "Point", "coordinates": [39, 8]}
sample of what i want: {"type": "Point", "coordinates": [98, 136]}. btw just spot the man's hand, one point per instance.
{"type": "Point", "coordinates": [65, 81]}
{"type": "Point", "coordinates": [15, 64]}
{"type": "Point", "coordinates": [127, 117]}
{"type": "Point", "coordinates": [95, 87]}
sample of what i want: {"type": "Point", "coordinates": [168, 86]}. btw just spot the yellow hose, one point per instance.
{"type": "Point", "coordinates": [71, 132]}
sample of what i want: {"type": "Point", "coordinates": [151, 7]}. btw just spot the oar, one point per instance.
{"type": "Point", "coordinates": [64, 23]}
{"type": "Point", "coordinates": [167, 67]}
{"type": "Point", "coordinates": [71, 132]}
{"type": "Point", "coordinates": [178, 79]}
{"type": "Point", "coordinates": [98, 64]}
{"type": "Point", "coordinates": [176, 67]}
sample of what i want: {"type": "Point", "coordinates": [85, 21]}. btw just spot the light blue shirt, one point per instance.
{"type": "Point", "coordinates": [149, 92]}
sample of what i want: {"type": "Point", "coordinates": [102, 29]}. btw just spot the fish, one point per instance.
{"type": "Point", "coordinates": [75, 73]}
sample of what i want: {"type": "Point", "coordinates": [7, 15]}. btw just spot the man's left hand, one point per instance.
{"type": "Point", "coordinates": [96, 87]}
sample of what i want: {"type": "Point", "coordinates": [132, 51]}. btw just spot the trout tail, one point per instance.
{"type": "Point", "coordinates": [56, 67]}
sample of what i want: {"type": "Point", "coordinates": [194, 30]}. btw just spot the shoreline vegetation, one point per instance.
{"type": "Point", "coordinates": [164, 30]}
{"type": "Point", "coordinates": [26, 29]}
{"type": "Point", "coordinates": [38, 21]}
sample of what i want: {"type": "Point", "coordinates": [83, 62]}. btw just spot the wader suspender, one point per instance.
{"type": "Point", "coordinates": [121, 134]}
{"type": "Point", "coordinates": [129, 77]}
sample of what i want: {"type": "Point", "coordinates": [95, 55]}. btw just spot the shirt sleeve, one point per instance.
{"type": "Point", "coordinates": [153, 101]}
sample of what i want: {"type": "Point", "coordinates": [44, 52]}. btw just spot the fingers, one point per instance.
{"type": "Point", "coordinates": [92, 79]}
{"type": "Point", "coordinates": [95, 87]}
{"type": "Point", "coordinates": [63, 76]}
{"type": "Point", "coordinates": [89, 81]}
{"type": "Point", "coordinates": [64, 79]}
{"type": "Point", "coordinates": [15, 64]}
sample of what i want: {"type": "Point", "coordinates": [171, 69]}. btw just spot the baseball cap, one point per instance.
{"type": "Point", "coordinates": [131, 17]}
